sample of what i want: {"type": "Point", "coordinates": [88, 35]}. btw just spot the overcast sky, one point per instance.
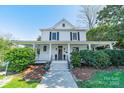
{"type": "Point", "coordinates": [24, 22]}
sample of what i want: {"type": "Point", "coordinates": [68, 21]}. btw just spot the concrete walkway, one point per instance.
{"type": "Point", "coordinates": [5, 80]}
{"type": "Point", "coordinates": [58, 77]}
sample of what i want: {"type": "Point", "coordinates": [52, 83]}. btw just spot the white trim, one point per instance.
{"type": "Point", "coordinates": [89, 47]}
{"type": "Point", "coordinates": [69, 52]}
{"type": "Point", "coordinates": [50, 46]}
{"type": "Point", "coordinates": [111, 47]}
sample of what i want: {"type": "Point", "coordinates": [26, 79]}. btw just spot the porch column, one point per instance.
{"type": "Point", "coordinates": [50, 51]}
{"type": "Point", "coordinates": [33, 45]}
{"type": "Point", "coordinates": [89, 46]}
{"type": "Point", "coordinates": [111, 47]}
{"type": "Point", "coordinates": [69, 52]}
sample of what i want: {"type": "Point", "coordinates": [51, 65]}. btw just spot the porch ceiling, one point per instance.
{"type": "Point", "coordinates": [62, 42]}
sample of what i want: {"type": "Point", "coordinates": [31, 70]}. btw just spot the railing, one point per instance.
{"type": "Point", "coordinates": [49, 63]}
{"type": "Point", "coordinates": [69, 63]}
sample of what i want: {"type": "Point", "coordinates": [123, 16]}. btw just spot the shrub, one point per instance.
{"type": "Point", "coordinates": [116, 56]}
{"type": "Point", "coordinates": [75, 59]}
{"type": "Point", "coordinates": [87, 57]}
{"type": "Point", "coordinates": [97, 59]}
{"type": "Point", "coordinates": [102, 59]}
{"type": "Point", "coordinates": [20, 58]}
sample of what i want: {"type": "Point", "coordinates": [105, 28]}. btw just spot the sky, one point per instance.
{"type": "Point", "coordinates": [24, 22]}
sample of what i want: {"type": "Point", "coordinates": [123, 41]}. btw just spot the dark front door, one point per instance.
{"type": "Point", "coordinates": [59, 52]}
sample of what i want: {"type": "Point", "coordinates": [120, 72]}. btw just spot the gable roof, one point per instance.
{"type": "Point", "coordinates": [68, 26]}
{"type": "Point", "coordinates": [63, 21]}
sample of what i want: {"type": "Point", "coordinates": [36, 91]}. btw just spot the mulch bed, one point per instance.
{"type": "Point", "coordinates": [34, 72]}
{"type": "Point", "coordinates": [85, 73]}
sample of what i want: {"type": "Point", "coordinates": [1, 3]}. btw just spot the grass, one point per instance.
{"type": "Point", "coordinates": [104, 79]}
{"type": "Point", "coordinates": [17, 82]}
{"type": "Point", "coordinates": [2, 76]}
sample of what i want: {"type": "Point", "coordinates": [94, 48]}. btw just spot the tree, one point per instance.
{"type": "Point", "coordinates": [5, 45]}
{"type": "Point", "coordinates": [110, 26]}
{"type": "Point", "coordinates": [111, 15]}
{"type": "Point", "coordinates": [88, 14]}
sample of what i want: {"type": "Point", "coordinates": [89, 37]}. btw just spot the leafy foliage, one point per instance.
{"type": "Point", "coordinates": [116, 56]}
{"type": "Point", "coordinates": [102, 59]}
{"type": "Point", "coordinates": [75, 59]}
{"type": "Point", "coordinates": [97, 59]}
{"type": "Point", "coordinates": [111, 14]}
{"type": "Point", "coordinates": [110, 25]}
{"type": "Point", "coordinates": [20, 58]}
{"type": "Point", "coordinates": [5, 46]}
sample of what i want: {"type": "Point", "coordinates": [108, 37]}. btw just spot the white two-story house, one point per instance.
{"type": "Point", "coordinates": [59, 41]}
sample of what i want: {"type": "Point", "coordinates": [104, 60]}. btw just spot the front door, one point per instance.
{"type": "Point", "coordinates": [59, 52]}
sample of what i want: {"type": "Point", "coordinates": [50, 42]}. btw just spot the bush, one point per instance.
{"type": "Point", "coordinates": [102, 59]}
{"type": "Point", "coordinates": [20, 58]}
{"type": "Point", "coordinates": [97, 59]}
{"type": "Point", "coordinates": [116, 56]}
{"type": "Point", "coordinates": [87, 57]}
{"type": "Point", "coordinates": [75, 59]}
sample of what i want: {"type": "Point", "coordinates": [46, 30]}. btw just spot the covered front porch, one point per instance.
{"type": "Point", "coordinates": [60, 50]}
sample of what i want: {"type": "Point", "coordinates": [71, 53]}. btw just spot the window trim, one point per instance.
{"type": "Point", "coordinates": [55, 35]}
{"type": "Point", "coordinates": [76, 36]}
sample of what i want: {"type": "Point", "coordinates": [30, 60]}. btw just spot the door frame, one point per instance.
{"type": "Point", "coordinates": [60, 52]}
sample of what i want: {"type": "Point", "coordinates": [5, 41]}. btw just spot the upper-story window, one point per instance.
{"type": "Point", "coordinates": [54, 35]}
{"type": "Point", "coordinates": [74, 36]}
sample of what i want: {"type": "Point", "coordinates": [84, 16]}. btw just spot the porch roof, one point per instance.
{"type": "Point", "coordinates": [62, 42]}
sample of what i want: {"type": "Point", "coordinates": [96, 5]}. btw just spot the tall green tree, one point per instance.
{"type": "Point", "coordinates": [110, 24]}
{"type": "Point", "coordinates": [111, 15]}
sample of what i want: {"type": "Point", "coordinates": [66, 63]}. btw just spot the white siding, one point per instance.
{"type": "Point", "coordinates": [45, 35]}
{"type": "Point", "coordinates": [81, 47]}
{"type": "Point", "coordinates": [82, 36]}
{"type": "Point", "coordinates": [63, 35]}
{"type": "Point", "coordinates": [44, 55]}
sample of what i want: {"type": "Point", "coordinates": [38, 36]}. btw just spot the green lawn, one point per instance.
{"type": "Point", "coordinates": [2, 76]}
{"type": "Point", "coordinates": [104, 79]}
{"type": "Point", "coordinates": [17, 82]}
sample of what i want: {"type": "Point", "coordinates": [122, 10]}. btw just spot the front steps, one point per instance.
{"type": "Point", "coordinates": [59, 65]}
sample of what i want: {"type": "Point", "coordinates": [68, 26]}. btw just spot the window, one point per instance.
{"type": "Point", "coordinates": [53, 36]}
{"type": "Point", "coordinates": [44, 48]}
{"type": "Point", "coordinates": [74, 36]}
{"type": "Point", "coordinates": [38, 51]}
{"type": "Point", "coordinates": [76, 49]}
{"type": "Point", "coordinates": [63, 25]}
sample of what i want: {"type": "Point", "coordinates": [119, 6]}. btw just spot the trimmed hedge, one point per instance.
{"type": "Point", "coordinates": [20, 58]}
{"type": "Point", "coordinates": [100, 58]}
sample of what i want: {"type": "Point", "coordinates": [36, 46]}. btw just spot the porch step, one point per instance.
{"type": "Point", "coordinates": [59, 66]}
{"type": "Point", "coordinates": [59, 61]}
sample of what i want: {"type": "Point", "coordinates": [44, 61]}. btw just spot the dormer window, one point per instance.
{"type": "Point", "coordinates": [63, 25]}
